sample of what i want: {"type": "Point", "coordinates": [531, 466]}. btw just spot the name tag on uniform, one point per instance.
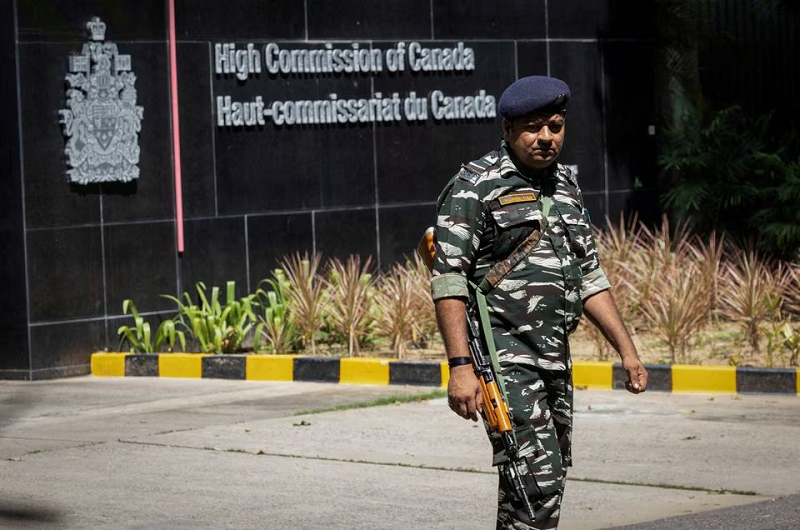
{"type": "Point", "coordinates": [522, 196]}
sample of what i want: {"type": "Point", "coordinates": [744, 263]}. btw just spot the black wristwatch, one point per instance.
{"type": "Point", "coordinates": [459, 361]}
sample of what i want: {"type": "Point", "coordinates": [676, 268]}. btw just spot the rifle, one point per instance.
{"type": "Point", "coordinates": [495, 404]}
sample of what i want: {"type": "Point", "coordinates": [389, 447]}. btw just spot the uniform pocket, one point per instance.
{"type": "Point", "coordinates": [514, 222]}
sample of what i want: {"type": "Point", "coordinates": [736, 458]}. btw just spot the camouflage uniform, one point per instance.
{"type": "Point", "coordinates": [485, 212]}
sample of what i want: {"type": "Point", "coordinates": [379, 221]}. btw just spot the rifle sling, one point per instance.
{"type": "Point", "coordinates": [495, 275]}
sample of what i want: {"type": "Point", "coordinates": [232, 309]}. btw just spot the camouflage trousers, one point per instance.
{"type": "Point", "coordinates": [541, 408]}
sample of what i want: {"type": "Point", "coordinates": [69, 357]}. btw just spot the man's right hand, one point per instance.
{"type": "Point", "coordinates": [464, 393]}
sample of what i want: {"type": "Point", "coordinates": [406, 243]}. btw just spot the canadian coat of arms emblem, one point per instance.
{"type": "Point", "coordinates": [101, 121]}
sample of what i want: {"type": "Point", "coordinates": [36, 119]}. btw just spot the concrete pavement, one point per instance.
{"type": "Point", "coordinates": [141, 453]}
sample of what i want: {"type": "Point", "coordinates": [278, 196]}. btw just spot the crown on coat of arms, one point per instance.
{"type": "Point", "coordinates": [97, 28]}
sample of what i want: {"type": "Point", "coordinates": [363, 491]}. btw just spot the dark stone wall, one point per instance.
{"type": "Point", "coordinates": [252, 195]}
{"type": "Point", "coordinates": [14, 357]}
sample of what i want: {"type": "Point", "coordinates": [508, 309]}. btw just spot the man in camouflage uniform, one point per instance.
{"type": "Point", "coordinates": [491, 206]}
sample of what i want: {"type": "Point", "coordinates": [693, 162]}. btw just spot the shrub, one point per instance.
{"type": "Point", "coordinates": [350, 293]}
{"type": "Point", "coordinates": [276, 326]}
{"type": "Point", "coordinates": [141, 339]}
{"type": "Point", "coordinates": [306, 296]}
{"type": "Point", "coordinates": [677, 308]}
{"type": "Point", "coordinates": [217, 328]}
{"type": "Point", "coordinates": [397, 302]}
{"type": "Point", "coordinates": [752, 293]}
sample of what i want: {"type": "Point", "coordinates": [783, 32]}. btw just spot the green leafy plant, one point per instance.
{"type": "Point", "coordinates": [777, 218]}
{"type": "Point", "coordinates": [217, 328]}
{"type": "Point", "coordinates": [791, 341]}
{"type": "Point", "coordinates": [708, 167]}
{"type": "Point", "coordinates": [729, 172]}
{"type": "Point", "coordinates": [140, 338]}
{"type": "Point", "coordinates": [276, 331]}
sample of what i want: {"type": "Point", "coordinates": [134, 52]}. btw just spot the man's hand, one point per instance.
{"type": "Point", "coordinates": [464, 393]}
{"type": "Point", "coordinates": [637, 375]}
{"type": "Point", "coordinates": [602, 311]}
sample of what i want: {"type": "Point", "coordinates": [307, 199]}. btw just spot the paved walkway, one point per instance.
{"type": "Point", "coordinates": [151, 453]}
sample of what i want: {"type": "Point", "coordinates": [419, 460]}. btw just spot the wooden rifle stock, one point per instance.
{"type": "Point", "coordinates": [427, 247]}
{"type": "Point", "coordinates": [495, 406]}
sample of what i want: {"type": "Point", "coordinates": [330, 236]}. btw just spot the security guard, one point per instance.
{"type": "Point", "coordinates": [515, 194]}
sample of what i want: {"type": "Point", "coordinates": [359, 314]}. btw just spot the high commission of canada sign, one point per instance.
{"type": "Point", "coordinates": [353, 59]}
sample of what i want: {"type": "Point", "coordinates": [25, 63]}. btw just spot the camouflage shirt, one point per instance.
{"type": "Point", "coordinates": [484, 213]}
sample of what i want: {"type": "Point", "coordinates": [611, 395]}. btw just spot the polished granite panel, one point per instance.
{"type": "Point", "coordinates": [214, 254]}
{"type": "Point", "coordinates": [500, 19]}
{"type": "Point", "coordinates": [49, 199]}
{"type": "Point", "coordinates": [239, 20]}
{"type": "Point", "coordinates": [280, 171]}
{"type": "Point", "coordinates": [14, 322]}
{"type": "Point", "coordinates": [401, 231]}
{"type": "Point", "coordinates": [630, 111]}
{"type": "Point", "coordinates": [578, 64]}
{"type": "Point", "coordinates": [416, 158]}
{"type": "Point", "coordinates": [366, 19]}
{"type": "Point", "coordinates": [150, 197]}
{"type": "Point", "coordinates": [341, 234]}
{"type": "Point", "coordinates": [65, 274]}
{"type": "Point", "coordinates": [196, 129]}
{"type": "Point", "coordinates": [531, 58]}
{"type": "Point", "coordinates": [643, 202]}
{"type": "Point", "coordinates": [60, 346]}
{"type": "Point", "coordinates": [595, 203]}
{"type": "Point", "coordinates": [140, 265]}
{"type": "Point", "coordinates": [271, 238]}
{"type": "Point", "coordinates": [601, 19]}
{"type": "Point", "coordinates": [272, 168]}
{"type": "Point", "coordinates": [125, 20]}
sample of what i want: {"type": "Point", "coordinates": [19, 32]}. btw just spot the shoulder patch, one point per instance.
{"type": "Point", "coordinates": [468, 174]}
{"type": "Point", "coordinates": [483, 163]}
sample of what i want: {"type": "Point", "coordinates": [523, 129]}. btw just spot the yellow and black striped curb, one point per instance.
{"type": "Point", "coordinates": [375, 371]}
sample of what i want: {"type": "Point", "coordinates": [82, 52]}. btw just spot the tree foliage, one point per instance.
{"type": "Point", "coordinates": [729, 173]}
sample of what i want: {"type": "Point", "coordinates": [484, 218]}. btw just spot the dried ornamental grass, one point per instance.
{"type": "Point", "coordinates": [306, 295]}
{"type": "Point", "coordinates": [397, 301]}
{"type": "Point", "coordinates": [424, 311]}
{"type": "Point", "coordinates": [616, 244]}
{"type": "Point", "coordinates": [750, 291]}
{"type": "Point", "coordinates": [678, 307]}
{"type": "Point", "coordinates": [709, 257]}
{"type": "Point", "coordinates": [351, 293]}
{"type": "Point", "coordinates": [792, 300]}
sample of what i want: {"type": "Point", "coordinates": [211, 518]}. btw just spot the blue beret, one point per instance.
{"type": "Point", "coordinates": [532, 94]}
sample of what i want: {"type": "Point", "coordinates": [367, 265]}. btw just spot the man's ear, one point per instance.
{"type": "Point", "coordinates": [507, 126]}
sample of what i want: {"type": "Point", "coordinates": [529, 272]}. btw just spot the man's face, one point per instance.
{"type": "Point", "coordinates": [535, 139]}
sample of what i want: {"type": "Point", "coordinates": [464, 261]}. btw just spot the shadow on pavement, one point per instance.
{"type": "Point", "coordinates": [19, 515]}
